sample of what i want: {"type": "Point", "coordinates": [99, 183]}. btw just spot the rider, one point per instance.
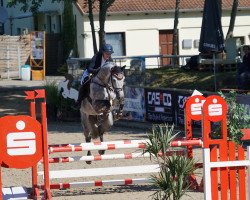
{"type": "Point", "coordinates": [97, 61]}
{"type": "Point", "coordinates": [244, 69]}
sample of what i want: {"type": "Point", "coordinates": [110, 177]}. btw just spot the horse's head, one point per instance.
{"type": "Point", "coordinates": [117, 80]}
{"type": "Point", "coordinates": [111, 78]}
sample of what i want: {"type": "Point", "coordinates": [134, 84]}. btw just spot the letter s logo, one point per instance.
{"type": "Point", "coordinates": [21, 143]}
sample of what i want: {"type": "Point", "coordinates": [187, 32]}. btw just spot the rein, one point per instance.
{"type": "Point", "coordinates": [108, 81]}
{"type": "Point", "coordinates": [118, 76]}
{"type": "Point", "coordinates": [107, 86]}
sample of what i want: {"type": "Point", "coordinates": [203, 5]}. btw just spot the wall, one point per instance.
{"type": "Point", "coordinates": [13, 43]}
{"type": "Point", "coordinates": [79, 30]}
{"type": "Point", "coordinates": [142, 31]}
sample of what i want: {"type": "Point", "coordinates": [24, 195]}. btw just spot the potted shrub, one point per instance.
{"type": "Point", "coordinates": [52, 99]}
{"type": "Point", "coordinates": [171, 181]}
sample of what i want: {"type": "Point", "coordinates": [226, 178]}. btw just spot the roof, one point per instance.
{"type": "Point", "coordinates": [128, 6]}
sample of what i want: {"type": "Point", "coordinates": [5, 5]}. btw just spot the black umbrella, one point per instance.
{"type": "Point", "coordinates": [211, 38]}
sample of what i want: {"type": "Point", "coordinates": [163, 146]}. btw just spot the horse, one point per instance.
{"type": "Point", "coordinates": [98, 111]}
{"type": "Point", "coordinates": [66, 88]}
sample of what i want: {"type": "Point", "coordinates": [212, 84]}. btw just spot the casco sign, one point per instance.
{"type": "Point", "coordinates": [21, 141]}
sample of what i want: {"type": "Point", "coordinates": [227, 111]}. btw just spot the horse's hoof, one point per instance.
{"type": "Point", "coordinates": [88, 162]}
{"type": "Point", "coordinates": [101, 152]}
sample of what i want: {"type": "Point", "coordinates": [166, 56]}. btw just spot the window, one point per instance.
{"type": "Point", "coordinates": [117, 40]}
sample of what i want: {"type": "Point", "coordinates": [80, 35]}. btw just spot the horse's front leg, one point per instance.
{"type": "Point", "coordinates": [101, 152]}
{"type": "Point", "coordinates": [88, 140]}
{"type": "Point", "coordinates": [107, 122]}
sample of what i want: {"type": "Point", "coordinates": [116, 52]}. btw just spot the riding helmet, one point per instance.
{"type": "Point", "coordinates": [107, 48]}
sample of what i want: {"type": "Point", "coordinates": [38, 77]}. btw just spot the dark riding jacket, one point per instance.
{"type": "Point", "coordinates": [96, 62]}
{"type": "Point", "coordinates": [246, 62]}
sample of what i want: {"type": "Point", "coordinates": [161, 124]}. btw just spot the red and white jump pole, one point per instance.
{"type": "Point", "coordinates": [110, 157]}
{"type": "Point", "coordinates": [116, 145]}
{"type": "Point", "coordinates": [98, 183]}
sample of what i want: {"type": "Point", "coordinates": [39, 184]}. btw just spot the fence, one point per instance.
{"type": "Point", "coordinates": [6, 60]}
{"type": "Point", "coordinates": [140, 62]}
{"type": "Point", "coordinates": [14, 52]}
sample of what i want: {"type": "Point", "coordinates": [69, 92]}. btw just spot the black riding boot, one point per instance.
{"type": "Point", "coordinates": [83, 93]}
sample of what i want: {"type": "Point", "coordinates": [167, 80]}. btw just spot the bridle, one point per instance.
{"type": "Point", "coordinates": [118, 74]}
{"type": "Point", "coordinates": [115, 73]}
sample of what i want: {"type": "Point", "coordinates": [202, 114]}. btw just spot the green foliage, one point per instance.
{"type": "Point", "coordinates": [171, 181]}
{"type": "Point", "coordinates": [66, 112]}
{"type": "Point", "coordinates": [62, 107]}
{"type": "Point", "coordinates": [159, 140]}
{"type": "Point", "coordinates": [174, 169]}
{"type": "Point", "coordinates": [29, 5]}
{"type": "Point", "coordinates": [52, 94]}
{"type": "Point", "coordinates": [69, 29]}
{"type": "Point", "coordinates": [237, 117]}
{"type": "Point", "coordinates": [63, 69]}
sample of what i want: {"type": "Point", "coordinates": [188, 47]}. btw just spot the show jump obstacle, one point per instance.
{"type": "Point", "coordinates": [24, 144]}
{"type": "Point", "coordinates": [219, 155]}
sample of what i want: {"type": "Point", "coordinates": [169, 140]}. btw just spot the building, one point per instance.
{"type": "Point", "coordinates": [135, 27]}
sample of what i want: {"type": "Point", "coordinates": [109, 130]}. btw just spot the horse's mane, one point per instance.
{"type": "Point", "coordinates": [116, 70]}
{"type": "Point", "coordinates": [105, 70]}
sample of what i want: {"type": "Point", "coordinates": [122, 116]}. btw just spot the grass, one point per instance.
{"type": "Point", "coordinates": [189, 80]}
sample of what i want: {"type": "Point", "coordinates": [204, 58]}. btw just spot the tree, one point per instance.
{"type": "Point", "coordinates": [69, 29]}
{"type": "Point", "coordinates": [232, 19]}
{"type": "Point", "coordinates": [175, 34]}
{"type": "Point", "coordinates": [103, 8]}
{"type": "Point", "coordinates": [27, 5]}
{"type": "Point", "coordinates": [104, 5]}
{"type": "Point", "coordinates": [91, 20]}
